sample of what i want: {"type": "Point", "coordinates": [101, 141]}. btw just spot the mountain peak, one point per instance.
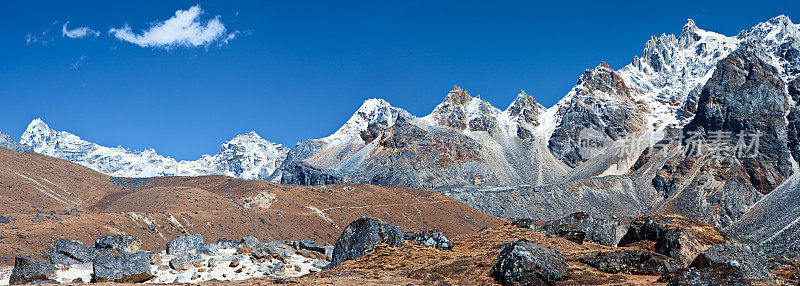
{"type": "Point", "coordinates": [690, 25]}
{"type": "Point", "coordinates": [457, 96]}
{"type": "Point", "coordinates": [37, 126]}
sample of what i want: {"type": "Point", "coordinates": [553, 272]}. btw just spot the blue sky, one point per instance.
{"type": "Point", "coordinates": [295, 70]}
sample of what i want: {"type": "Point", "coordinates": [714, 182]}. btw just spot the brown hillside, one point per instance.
{"type": "Point", "coordinates": [78, 203]}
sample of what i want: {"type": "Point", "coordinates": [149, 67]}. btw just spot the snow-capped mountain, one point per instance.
{"type": "Point", "coordinates": [464, 141]}
{"type": "Point", "coordinates": [246, 156]}
{"type": "Point", "coordinates": [7, 142]}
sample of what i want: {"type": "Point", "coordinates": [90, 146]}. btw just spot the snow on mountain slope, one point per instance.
{"type": "Point", "coordinates": [246, 156]}
{"type": "Point", "coordinates": [464, 141]}
{"type": "Point", "coordinates": [672, 70]}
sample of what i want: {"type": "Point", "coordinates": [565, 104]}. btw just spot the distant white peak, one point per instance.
{"type": "Point", "coordinates": [373, 110]}
{"type": "Point", "coordinates": [38, 126]}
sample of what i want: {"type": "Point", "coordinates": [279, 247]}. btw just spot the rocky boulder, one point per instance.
{"type": "Point", "coordinates": [310, 245]}
{"type": "Point", "coordinates": [122, 267]}
{"type": "Point", "coordinates": [127, 243]}
{"type": "Point", "coordinates": [722, 274]}
{"type": "Point", "coordinates": [634, 262]}
{"type": "Point", "coordinates": [674, 236]}
{"type": "Point", "coordinates": [190, 243]}
{"type": "Point", "coordinates": [69, 252]}
{"type": "Point", "coordinates": [748, 258]}
{"type": "Point", "coordinates": [361, 236]}
{"type": "Point", "coordinates": [526, 263]}
{"type": "Point", "coordinates": [601, 231]}
{"type": "Point", "coordinates": [27, 271]}
{"type": "Point", "coordinates": [430, 239]}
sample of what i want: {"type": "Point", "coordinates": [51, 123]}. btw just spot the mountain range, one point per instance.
{"type": "Point", "coordinates": [503, 162]}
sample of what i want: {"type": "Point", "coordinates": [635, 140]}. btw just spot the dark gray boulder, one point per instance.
{"type": "Point", "coordinates": [227, 243]}
{"type": "Point", "coordinates": [70, 252]}
{"type": "Point", "coordinates": [361, 235]}
{"type": "Point", "coordinates": [127, 243]}
{"type": "Point", "coordinates": [27, 271]}
{"type": "Point", "coordinates": [719, 275]}
{"type": "Point", "coordinates": [121, 267]}
{"type": "Point", "coordinates": [311, 245]}
{"type": "Point", "coordinates": [190, 243]}
{"type": "Point", "coordinates": [526, 263]}
{"type": "Point", "coordinates": [429, 238]}
{"type": "Point", "coordinates": [674, 236]}
{"type": "Point", "coordinates": [748, 258]}
{"type": "Point", "coordinates": [634, 262]}
{"type": "Point", "coordinates": [601, 231]}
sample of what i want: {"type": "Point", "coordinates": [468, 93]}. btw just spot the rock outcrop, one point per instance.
{"type": "Point", "coordinates": [674, 236]}
{"type": "Point", "coordinates": [361, 235]}
{"type": "Point", "coordinates": [69, 252]}
{"type": "Point", "coordinates": [748, 258]}
{"type": "Point", "coordinates": [122, 267]}
{"type": "Point", "coordinates": [600, 103]}
{"type": "Point", "coordinates": [634, 262]}
{"type": "Point", "coordinates": [526, 263]}
{"type": "Point", "coordinates": [190, 243]}
{"type": "Point", "coordinates": [601, 231]}
{"type": "Point", "coordinates": [127, 243]}
{"type": "Point", "coordinates": [27, 271]}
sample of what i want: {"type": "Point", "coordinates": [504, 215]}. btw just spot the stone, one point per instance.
{"type": "Point", "coordinates": [749, 259]}
{"type": "Point", "coordinates": [70, 252]}
{"type": "Point", "coordinates": [430, 239]}
{"type": "Point", "coordinates": [183, 262]}
{"type": "Point", "coordinates": [310, 245]}
{"type": "Point", "coordinates": [523, 223]}
{"type": "Point", "coordinates": [227, 243]}
{"type": "Point", "coordinates": [210, 249]}
{"type": "Point", "coordinates": [634, 262]}
{"type": "Point", "coordinates": [722, 274]}
{"type": "Point", "coordinates": [321, 264]}
{"type": "Point", "coordinates": [27, 271]}
{"type": "Point", "coordinates": [4, 219]}
{"type": "Point", "coordinates": [527, 263]}
{"type": "Point", "coordinates": [674, 236]}
{"type": "Point", "coordinates": [190, 243]}
{"type": "Point", "coordinates": [361, 235]}
{"type": "Point", "coordinates": [121, 267]}
{"type": "Point", "coordinates": [279, 269]}
{"type": "Point", "coordinates": [127, 243]}
{"type": "Point", "coordinates": [251, 241]}
{"type": "Point", "coordinates": [601, 231]}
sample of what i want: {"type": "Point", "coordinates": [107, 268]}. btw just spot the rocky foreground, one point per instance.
{"type": "Point", "coordinates": [575, 250]}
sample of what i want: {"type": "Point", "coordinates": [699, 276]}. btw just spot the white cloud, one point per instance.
{"type": "Point", "coordinates": [78, 33]}
{"type": "Point", "coordinates": [182, 30]}
{"type": "Point", "coordinates": [42, 38]}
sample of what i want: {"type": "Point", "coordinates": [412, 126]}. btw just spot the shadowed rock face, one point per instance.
{"type": "Point", "coordinates": [674, 236]}
{"type": "Point", "coordinates": [601, 102]}
{"type": "Point", "coordinates": [747, 258]}
{"type": "Point", "coordinates": [745, 94]}
{"type": "Point", "coordinates": [635, 262]}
